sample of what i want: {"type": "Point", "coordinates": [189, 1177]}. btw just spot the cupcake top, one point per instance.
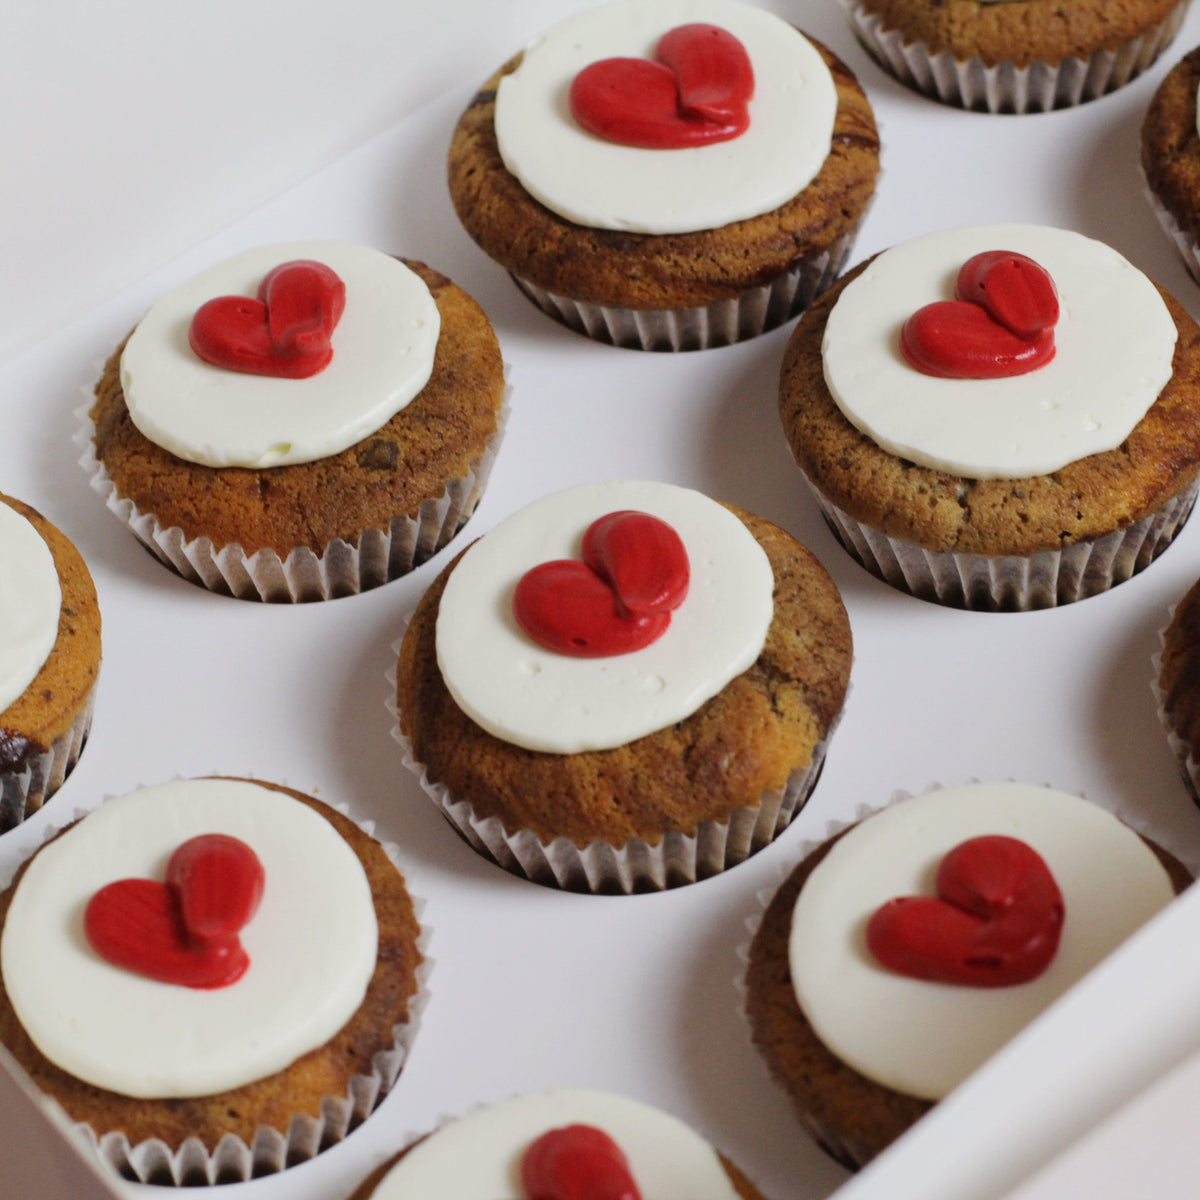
{"type": "Point", "coordinates": [1111, 351]}
{"type": "Point", "coordinates": [787, 112]}
{"type": "Point", "coordinates": [537, 696]}
{"type": "Point", "coordinates": [238, 406]}
{"type": "Point", "coordinates": [310, 943]}
{"type": "Point", "coordinates": [30, 604]}
{"type": "Point", "coordinates": [935, 1032]}
{"type": "Point", "coordinates": [479, 1157]}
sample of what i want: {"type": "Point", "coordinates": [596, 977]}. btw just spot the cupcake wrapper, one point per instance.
{"type": "Point", "coordinates": [339, 570]}
{"type": "Point", "coordinates": [1012, 583]}
{"type": "Point", "coordinates": [1185, 242]}
{"type": "Point", "coordinates": [1005, 88]}
{"type": "Point", "coordinates": [23, 792]}
{"type": "Point", "coordinates": [720, 323]}
{"type": "Point", "coordinates": [1184, 751]}
{"type": "Point", "coordinates": [271, 1150]}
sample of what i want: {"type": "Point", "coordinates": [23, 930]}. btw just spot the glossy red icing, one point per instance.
{"type": "Point", "coordinates": [577, 1162]}
{"type": "Point", "coordinates": [620, 598]}
{"type": "Point", "coordinates": [1001, 322]}
{"type": "Point", "coordinates": [184, 930]}
{"type": "Point", "coordinates": [695, 90]}
{"type": "Point", "coordinates": [285, 331]}
{"type": "Point", "coordinates": [996, 919]}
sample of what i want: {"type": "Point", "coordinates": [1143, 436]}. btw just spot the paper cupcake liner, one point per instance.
{"type": "Point", "coordinates": [271, 1150]}
{"type": "Point", "coordinates": [339, 570]}
{"type": "Point", "coordinates": [1006, 88]}
{"type": "Point", "coordinates": [1011, 583]}
{"type": "Point", "coordinates": [720, 323]}
{"type": "Point", "coordinates": [1185, 243]}
{"type": "Point", "coordinates": [24, 791]}
{"type": "Point", "coordinates": [1181, 748]}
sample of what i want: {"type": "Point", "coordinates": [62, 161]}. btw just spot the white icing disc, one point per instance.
{"type": "Point", "coordinates": [30, 603]}
{"type": "Point", "coordinates": [552, 702]}
{"type": "Point", "coordinates": [1114, 343]}
{"type": "Point", "coordinates": [599, 183]}
{"type": "Point", "coordinates": [383, 350]}
{"type": "Point", "coordinates": [312, 945]}
{"type": "Point", "coordinates": [924, 1038]}
{"type": "Point", "coordinates": [479, 1156]}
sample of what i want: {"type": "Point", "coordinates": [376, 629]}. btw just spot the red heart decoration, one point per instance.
{"type": "Point", "coordinates": [577, 1162]}
{"type": "Point", "coordinates": [996, 920]}
{"type": "Point", "coordinates": [634, 574]}
{"type": "Point", "coordinates": [284, 332]}
{"type": "Point", "coordinates": [185, 930]}
{"type": "Point", "coordinates": [1000, 324]}
{"type": "Point", "coordinates": [696, 90]}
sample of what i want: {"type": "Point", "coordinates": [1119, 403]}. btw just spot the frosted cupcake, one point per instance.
{"type": "Point", "coordinates": [588, 744]}
{"type": "Point", "coordinates": [49, 659]}
{"type": "Point", "coordinates": [1176, 686]}
{"type": "Point", "coordinates": [985, 468]}
{"type": "Point", "coordinates": [533, 1145]}
{"type": "Point", "coordinates": [300, 422]}
{"type": "Point", "coordinates": [871, 997]}
{"type": "Point", "coordinates": [216, 978]}
{"type": "Point", "coordinates": [703, 181]}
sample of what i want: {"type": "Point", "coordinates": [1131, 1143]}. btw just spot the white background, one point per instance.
{"type": "Point", "coordinates": [136, 152]}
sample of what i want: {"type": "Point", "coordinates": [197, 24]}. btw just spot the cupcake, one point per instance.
{"type": "Point", "coordinates": [675, 219]}
{"type": "Point", "coordinates": [982, 468]}
{"type": "Point", "coordinates": [299, 422]}
{"type": "Point", "coordinates": [1015, 56]}
{"type": "Point", "coordinates": [215, 978]}
{"type": "Point", "coordinates": [886, 969]}
{"type": "Point", "coordinates": [1171, 158]}
{"type": "Point", "coordinates": [49, 659]}
{"type": "Point", "coordinates": [1176, 686]}
{"type": "Point", "coordinates": [535, 1145]}
{"type": "Point", "coordinates": [639, 719]}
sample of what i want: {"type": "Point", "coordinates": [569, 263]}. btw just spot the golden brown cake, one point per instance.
{"type": "Point", "coordinates": [723, 284]}
{"type": "Point", "coordinates": [329, 1089]}
{"type": "Point", "coordinates": [350, 520]}
{"type": "Point", "coordinates": [735, 770]}
{"type": "Point", "coordinates": [43, 731]}
{"type": "Point", "coordinates": [1015, 56]}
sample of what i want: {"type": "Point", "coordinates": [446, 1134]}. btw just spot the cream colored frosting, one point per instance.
{"type": "Point", "coordinates": [383, 350]}
{"type": "Point", "coordinates": [312, 945]}
{"type": "Point", "coordinates": [30, 604]}
{"type": "Point", "coordinates": [552, 702]}
{"type": "Point", "coordinates": [1114, 344]}
{"type": "Point", "coordinates": [479, 1156]}
{"type": "Point", "coordinates": [924, 1038]}
{"type": "Point", "coordinates": [599, 183]}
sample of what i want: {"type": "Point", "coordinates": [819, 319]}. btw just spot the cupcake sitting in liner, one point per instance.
{"type": "Point", "coordinates": [1177, 686]}
{"type": "Point", "coordinates": [703, 183]}
{"type": "Point", "coordinates": [535, 1145]}
{"type": "Point", "coordinates": [989, 465]}
{"type": "Point", "coordinates": [300, 422]}
{"type": "Point", "coordinates": [1015, 56]}
{"type": "Point", "coordinates": [214, 978]}
{"type": "Point", "coordinates": [642, 718]}
{"type": "Point", "coordinates": [49, 659]}
{"type": "Point", "coordinates": [903, 952]}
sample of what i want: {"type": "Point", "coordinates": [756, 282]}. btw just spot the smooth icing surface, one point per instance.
{"type": "Point", "coordinates": [30, 603]}
{"type": "Point", "coordinates": [598, 183]}
{"type": "Point", "coordinates": [479, 1156]}
{"type": "Point", "coordinates": [383, 350]}
{"type": "Point", "coordinates": [545, 701]}
{"type": "Point", "coordinates": [1115, 340]}
{"type": "Point", "coordinates": [924, 1038]}
{"type": "Point", "coordinates": [312, 945]}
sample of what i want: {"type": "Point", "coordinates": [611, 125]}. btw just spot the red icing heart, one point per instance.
{"type": "Point", "coordinates": [634, 574]}
{"type": "Point", "coordinates": [577, 1162]}
{"type": "Point", "coordinates": [185, 930]}
{"type": "Point", "coordinates": [1000, 324]}
{"type": "Point", "coordinates": [284, 332]}
{"type": "Point", "coordinates": [696, 90]}
{"type": "Point", "coordinates": [996, 920]}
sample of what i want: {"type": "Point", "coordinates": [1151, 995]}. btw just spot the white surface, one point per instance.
{"type": "Point", "coordinates": [533, 988]}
